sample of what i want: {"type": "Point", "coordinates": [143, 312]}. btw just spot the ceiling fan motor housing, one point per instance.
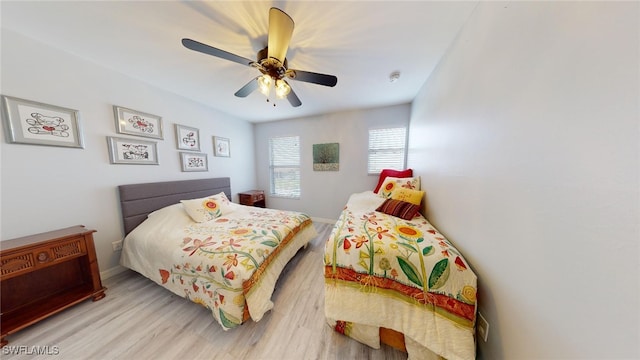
{"type": "Point", "coordinates": [271, 66]}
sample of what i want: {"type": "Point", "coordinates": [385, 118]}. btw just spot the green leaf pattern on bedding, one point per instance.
{"type": "Point", "coordinates": [384, 271]}
{"type": "Point", "coordinates": [412, 253]}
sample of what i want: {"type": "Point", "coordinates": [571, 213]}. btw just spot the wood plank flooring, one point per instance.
{"type": "Point", "coordinates": [141, 320]}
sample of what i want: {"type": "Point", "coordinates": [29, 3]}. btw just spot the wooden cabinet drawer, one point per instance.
{"type": "Point", "coordinates": [17, 264]}
{"type": "Point", "coordinates": [26, 260]}
{"type": "Point", "coordinates": [67, 249]}
{"type": "Point", "coordinates": [252, 198]}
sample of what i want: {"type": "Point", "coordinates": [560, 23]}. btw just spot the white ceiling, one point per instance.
{"type": "Point", "coordinates": [360, 42]}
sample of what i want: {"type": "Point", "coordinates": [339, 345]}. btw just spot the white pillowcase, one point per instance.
{"type": "Point", "coordinates": [207, 208]}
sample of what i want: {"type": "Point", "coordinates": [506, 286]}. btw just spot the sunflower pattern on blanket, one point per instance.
{"type": "Point", "coordinates": [222, 260]}
{"type": "Point", "coordinates": [407, 260]}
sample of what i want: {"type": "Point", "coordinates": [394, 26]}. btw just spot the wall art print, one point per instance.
{"type": "Point", "coordinates": [132, 151]}
{"type": "Point", "coordinates": [188, 138]}
{"type": "Point", "coordinates": [194, 161]}
{"type": "Point", "coordinates": [326, 157]}
{"type": "Point", "coordinates": [35, 123]}
{"type": "Point", "coordinates": [133, 122]}
{"type": "Point", "coordinates": [221, 146]}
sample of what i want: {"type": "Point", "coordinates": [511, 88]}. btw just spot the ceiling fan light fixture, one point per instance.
{"type": "Point", "coordinates": [282, 89]}
{"type": "Point", "coordinates": [264, 84]}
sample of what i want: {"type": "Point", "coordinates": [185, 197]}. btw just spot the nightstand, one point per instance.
{"type": "Point", "coordinates": [252, 198]}
{"type": "Point", "coordinates": [46, 273]}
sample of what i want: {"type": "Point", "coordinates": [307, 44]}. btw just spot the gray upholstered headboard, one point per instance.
{"type": "Point", "coordinates": [138, 200]}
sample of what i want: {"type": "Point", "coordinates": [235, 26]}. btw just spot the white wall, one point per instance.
{"type": "Point", "coordinates": [46, 188]}
{"type": "Point", "coordinates": [324, 193]}
{"type": "Point", "coordinates": [527, 141]}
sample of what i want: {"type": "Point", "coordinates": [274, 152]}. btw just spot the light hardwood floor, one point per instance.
{"type": "Point", "coordinates": [139, 319]}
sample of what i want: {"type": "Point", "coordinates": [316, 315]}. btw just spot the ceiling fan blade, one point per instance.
{"type": "Point", "coordinates": [293, 99]}
{"type": "Point", "coordinates": [311, 77]}
{"type": "Point", "coordinates": [210, 50]}
{"type": "Point", "coordinates": [280, 31]}
{"type": "Point", "coordinates": [247, 89]}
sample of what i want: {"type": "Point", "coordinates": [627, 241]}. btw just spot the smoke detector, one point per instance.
{"type": "Point", "coordinates": [394, 76]}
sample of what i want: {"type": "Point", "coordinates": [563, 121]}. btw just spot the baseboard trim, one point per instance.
{"type": "Point", "coordinates": [112, 272]}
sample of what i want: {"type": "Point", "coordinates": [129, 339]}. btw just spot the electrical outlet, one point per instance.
{"type": "Point", "coordinates": [117, 245]}
{"type": "Point", "coordinates": [482, 327]}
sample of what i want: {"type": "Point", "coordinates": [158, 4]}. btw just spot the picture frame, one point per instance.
{"type": "Point", "coordinates": [138, 123]}
{"type": "Point", "coordinates": [132, 151]}
{"type": "Point", "coordinates": [221, 146]}
{"type": "Point", "coordinates": [194, 161]}
{"type": "Point", "coordinates": [326, 157]}
{"type": "Point", "coordinates": [36, 123]}
{"type": "Point", "coordinates": [187, 138]}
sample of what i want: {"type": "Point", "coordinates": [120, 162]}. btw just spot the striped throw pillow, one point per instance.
{"type": "Point", "coordinates": [399, 208]}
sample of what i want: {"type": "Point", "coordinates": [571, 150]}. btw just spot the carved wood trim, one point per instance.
{"type": "Point", "coordinates": [17, 263]}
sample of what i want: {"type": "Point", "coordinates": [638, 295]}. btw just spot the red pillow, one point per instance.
{"type": "Point", "coordinates": [399, 208]}
{"type": "Point", "coordinates": [393, 173]}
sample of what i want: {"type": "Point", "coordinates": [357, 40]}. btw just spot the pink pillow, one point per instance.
{"type": "Point", "coordinates": [393, 173]}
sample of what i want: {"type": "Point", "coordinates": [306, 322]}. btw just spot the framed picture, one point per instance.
{"type": "Point", "coordinates": [132, 151]}
{"type": "Point", "coordinates": [188, 138]}
{"type": "Point", "coordinates": [326, 157]}
{"type": "Point", "coordinates": [132, 122]}
{"type": "Point", "coordinates": [30, 122]}
{"type": "Point", "coordinates": [221, 146]}
{"type": "Point", "coordinates": [194, 161]}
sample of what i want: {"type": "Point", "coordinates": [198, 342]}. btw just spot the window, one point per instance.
{"type": "Point", "coordinates": [285, 166]}
{"type": "Point", "coordinates": [387, 149]}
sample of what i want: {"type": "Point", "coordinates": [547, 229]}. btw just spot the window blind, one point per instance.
{"type": "Point", "coordinates": [285, 166]}
{"type": "Point", "coordinates": [387, 149]}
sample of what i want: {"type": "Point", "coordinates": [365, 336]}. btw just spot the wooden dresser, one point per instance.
{"type": "Point", "coordinates": [252, 198]}
{"type": "Point", "coordinates": [44, 274]}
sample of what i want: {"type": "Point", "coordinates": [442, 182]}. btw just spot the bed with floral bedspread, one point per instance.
{"type": "Point", "coordinates": [382, 271]}
{"type": "Point", "coordinates": [228, 262]}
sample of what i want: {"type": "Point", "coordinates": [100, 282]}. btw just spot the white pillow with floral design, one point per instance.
{"type": "Point", "coordinates": [207, 208]}
{"type": "Point", "coordinates": [391, 183]}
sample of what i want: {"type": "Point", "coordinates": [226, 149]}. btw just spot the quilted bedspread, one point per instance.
{"type": "Point", "coordinates": [229, 265]}
{"type": "Point", "coordinates": [383, 271]}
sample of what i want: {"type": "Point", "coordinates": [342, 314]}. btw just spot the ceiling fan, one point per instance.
{"type": "Point", "coordinates": [271, 62]}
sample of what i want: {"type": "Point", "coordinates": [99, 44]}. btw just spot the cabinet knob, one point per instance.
{"type": "Point", "coordinates": [43, 256]}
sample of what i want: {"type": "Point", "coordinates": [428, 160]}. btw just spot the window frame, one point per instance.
{"type": "Point", "coordinates": [403, 149]}
{"type": "Point", "coordinates": [295, 193]}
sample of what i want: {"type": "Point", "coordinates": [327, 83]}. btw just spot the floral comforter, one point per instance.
{"type": "Point", "coordinates": [229, 265]}
{"type": "Point", "coordinates": [383, 271]}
